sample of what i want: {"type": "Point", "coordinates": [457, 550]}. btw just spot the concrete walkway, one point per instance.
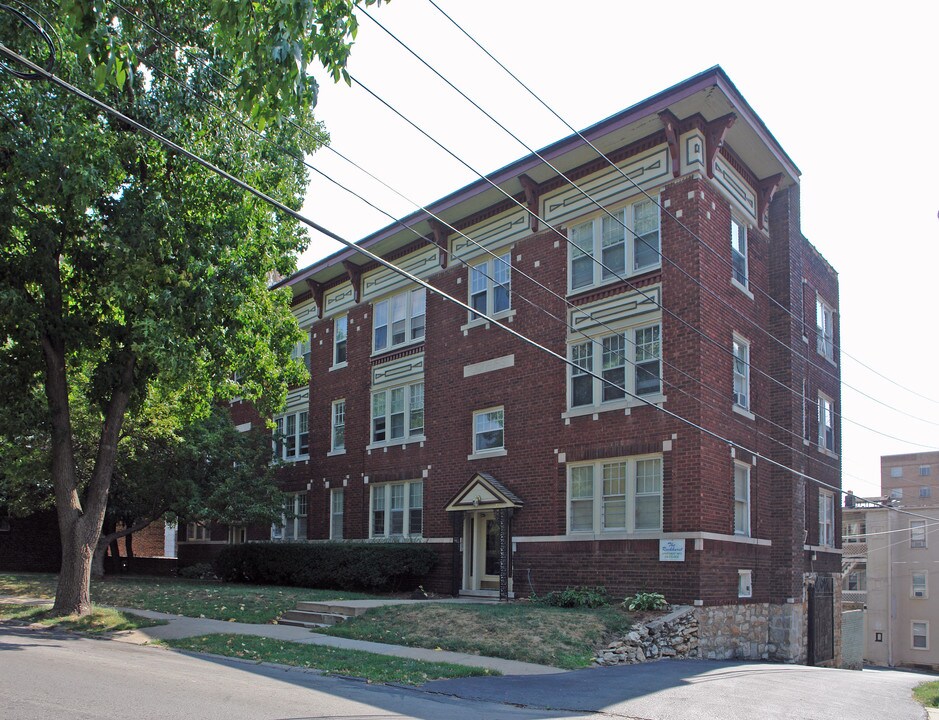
{"type": "Point", "coordinates": [180, 626]}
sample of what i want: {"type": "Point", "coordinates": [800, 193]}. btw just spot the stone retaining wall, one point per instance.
{"type": "Point", "coordinates": [672, 636]}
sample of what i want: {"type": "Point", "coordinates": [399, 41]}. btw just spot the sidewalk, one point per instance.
{"type": "Point", "coordinates": [180, 626]}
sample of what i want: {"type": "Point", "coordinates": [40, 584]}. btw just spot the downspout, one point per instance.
{"type": "Point", "coordinates": [890, 602]}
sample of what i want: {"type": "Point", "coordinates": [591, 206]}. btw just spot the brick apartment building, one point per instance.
{"type": "Point", "coordinates": [681, 279]}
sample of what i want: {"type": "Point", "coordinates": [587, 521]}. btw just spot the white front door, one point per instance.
{"type": "Point", "coordinates": [481, 551]}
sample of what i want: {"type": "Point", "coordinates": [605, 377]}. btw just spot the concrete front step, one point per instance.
{"type": "Point", "coordinates": [310, 618]}
{"type": "Point", "coordinates": [345, 611]}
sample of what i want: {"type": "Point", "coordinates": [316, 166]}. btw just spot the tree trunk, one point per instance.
{"type": "Point", "coordinates": [73, 593]}
{"type": "Point", "coordinates": [97, 560]}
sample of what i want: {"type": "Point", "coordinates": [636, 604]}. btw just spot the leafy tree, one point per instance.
{"type": "Point", "coordinates": [122, 265]}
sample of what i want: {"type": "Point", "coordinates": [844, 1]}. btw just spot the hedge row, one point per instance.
{"type": "Point", "coordinates": [386, 567]}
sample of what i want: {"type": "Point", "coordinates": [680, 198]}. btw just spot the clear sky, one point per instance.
{"type": "Point", "coordinates": [849, 90]}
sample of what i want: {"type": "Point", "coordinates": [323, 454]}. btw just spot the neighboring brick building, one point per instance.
{"type": "Point", "coordinates": [422, 421]}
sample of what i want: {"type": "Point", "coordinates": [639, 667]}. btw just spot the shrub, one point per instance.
{"type": "Point", "coordinates": [581, 596]}
{"type": "Point", "coordinates": [643, 601]}
{"type": "Point", "coordinates": [382, 567]}
{"type": "Point", "coordinates": [197, 571]}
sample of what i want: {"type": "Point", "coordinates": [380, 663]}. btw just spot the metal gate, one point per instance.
{"type": "Point", "coordinates": [821, 620]}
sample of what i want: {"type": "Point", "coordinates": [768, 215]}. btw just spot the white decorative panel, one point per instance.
{"type": "Point", "coordinates": [693, 157]}
{"type": "Point", "coordinates": [384, 280]}
{"type": "Point", "coordinates": [733, 185]}
{"type": "Point", "coordinates": [491, 233]}
{"type": "Point", "coordinates": [305, 313]}
{"type": "Point", "coordinates": [607, 187]}
{"type": "Point", "coordinates": [398, 371]}
{"type": "Point", "coordinates": [338, 300]}
{"type": "Point", "coordinates": [619, 310]}
{"type": "Point", "coordinates": [298, 399]}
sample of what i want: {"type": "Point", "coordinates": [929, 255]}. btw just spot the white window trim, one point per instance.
{"type": "Point", "coordinates": [279, 530]}
{"type": "Point", "coordinates": [746, 531]}
{"type": "Point", "coordinates": [333, 494]}
{"type": "Point", "coordinates": [280, 425]}
{"type": "Point", "coordinates": [632, 398]}
{"type": "Point", "coordinates": [744, 231]}
{"type": "Point", "coordinates": [825, 337]}
{"type": "Point", "coordinates": [742, 342]}
{"type": "Point", "coordinates": [339, 365]}
{"type": "Point", "coordinates": [925, 542]}
{"type": "Point", "coordinates": [826, 519]}
{"type": "Point", "coordinates": [405, 439]}
{"type": "Point", "coordinates": [913, 624]}
{"type": "Point", "coordinates": [335, 449]}
{"type": "Point", "coordinates": [822, 427]}
{"type": "Point", "coordinates": [744, 583]}
{"type": "Point", "coordinates": [409, 316]}
{"type": "Point", "coordinates": [629, 239]}
{"type": "Point", "coordinates": [487, 452]}
{"type": "Point", "coordinates": [406, 522]}
{"type": "Point", "coordinates": [198, 531]}
{"type": "Point", "coordinates": [237, 534]}
{"type": "Point", "coordinates": [630, 530]}
{"type": "Point", "coordinates": [301, 351]}
{"type": "Point", "coordinates": [925, 595]}
{"type": "Point", "coordinates": [488, 269]}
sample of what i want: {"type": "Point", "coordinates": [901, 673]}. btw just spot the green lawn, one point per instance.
{"type": "Point", "coordinates": [927, 693]}
{"type": "Point", "coordinates": [337, 661]}
{"type": "Point", "coordinates": [560, 637]}
{"type": "Point", "coordinates": [193, 598]}
{"type": "Point", "coordinates": [101, 620]}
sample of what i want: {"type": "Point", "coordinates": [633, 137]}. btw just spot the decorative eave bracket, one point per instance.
{"type": "Point", "coordinates": [765, 191]}
{"type": "Point", "coordinates": [532, 198]}
{"type": "Point", "coordinates": [354, 273]}
{"type": "Point", "coordinates": [440, 234]}
{"type": "Point", "coordinates": [672, 133]}
{"type": "Point", "coordinates": [317, 290]}
{"type": "Point", "coordinates": [715, 132]}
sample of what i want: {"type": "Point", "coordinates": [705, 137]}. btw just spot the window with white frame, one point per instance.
{"type": "Point", "coordinates": [608, 247]}
{"type": "Point", "coordinates": [488, 430]}
{"type": "Point", "coordinates": [491, 286]}
{"type": "Point", "coordinates": [744, 583]}
{"type": "Point", "coordinates": [826, 519]}
{"type": "Point", "coordinates": [338, 429]}
{"type": "Point", "coordinates": [237, 534]}
{"type": "Point", "coordinates": [896, 471]}
{"type": "Point", "coordinates": [924, 470]}
{"type": "Point", "coordinates": [741, 372]}
{"type": "Point", "coordinates": [618, 495]}
{"type": "Point", "coordinates": [397, 509]}
{"type": "Point", "coordinates": [301, 351]}
{"type": "Point", "coordinates": [197, 532]}
{"type": "Point", "coordinates": [292, 436]}
{"type": "Point", "coordinates": [293, 522]}
{"type": "Point", "coordinates": [826, 423]}
{"type": "Point", "coordinates": [896, 494]}
{"type": "Point", "coordinates": [855, 580]}
{"type": "Point", "coordinates": [628, 363]}
{"type": "Point", "coordinates": [919, 589]}
{"type": "Point", "coordinates": [925, 491]}
{"type": "Point", "coordinates": [920, 632]}
{"type": "Point", "coordinates": [340, 339]}
{"type": "Point", "coordinates": [824, 329]}
{"type": "Point", "coordinates": [398, 413]}
{"type": "Point", "coordinates": [399, 320]}
{"type": "Point", "coordinates": [337, 507]}
{"type": "Point", "coordinates": [741, 499]}
{"type": "Point", "coordinates": [855, 532]}
{"type": "Point", "coordinates": [738, 251]}
{"type": "Point", "coordinates": [917, 533]}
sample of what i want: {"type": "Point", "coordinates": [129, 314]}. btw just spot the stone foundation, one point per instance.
{"type": "Point", "coordinates": [756, 631]}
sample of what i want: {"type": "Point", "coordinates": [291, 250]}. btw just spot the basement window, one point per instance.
{"type": "Point", "coordinates": [744, 583]}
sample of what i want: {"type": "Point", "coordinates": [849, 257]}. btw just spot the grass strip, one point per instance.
{"type": "Point", "coordinates": [927, 693]}
{"type": "Point", "coordinates": [192, 598]}
{"type": "Point", "coordinates": [560, 637]}
{"type": "Point", "coordinates": [334, 661]}
{"type": "Point", "coordinates": [100, 621]}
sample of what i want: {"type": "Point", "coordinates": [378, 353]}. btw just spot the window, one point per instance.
{"type": "Point", "coordinates": [398, 509]}
{"type": "Point", "coordinates": [491, 286]}
{"type": "Point", "coordinates": [896, 472]}
{"type": "Point", "coordinates": [824, 329]}
{"type": "Point", "coordinates": [292, 436]}
{"type": "Point", "coordinates": [630, 363]}
{"type": "Point", "coordinates": [301, 351]}
{"type": "Point", "coordinates": [896, 494]}
{"type": "Point", "coordinates": [917, 533]}
{"type": "Point", "coordinates": [854, 531]}
{"type": "Point", "coordinates": [623, 495]}
{"type": "Point", "coordinates": [197, 532]}
{"type": "Point", "coordinates": [398, 413]}
{"type": "Point", "coordinates": [738, 250]}
{"type": "Point", "coordinates": [826, 423]}
{"type": "Point", "coordinates": [339, 426]}
{"type": "Point", "coordinates": [925, 491]}
{"type": "Point", "coordinates": [609, 247]}
{"type": "Point", "coordinates": [826, 518]}
{"type": "Point", "coordinates": [855, 581]}
{"type": "Point", "coordinates": [920, 635]}
{"type": "Point", "coordinates": [237, 534]}
{"type": "Point", "coordinates": [399, 320]}
{"type": "Point", "coordinates": [924, 470]}
{"type": "Point", "coordinates": [741, 499]}
{"type": "Point", "coordinates": [919, 585]}
{"type": "Point", "coordinates": [337, 503]}
{"type": "Point", "coordinates": [488, 430]}
{"type": "Point", "coordinates": [744, 583]}
{"type": "Point", "coordinates": [741, 373]}
{"type": "Point", "coordinates": [340, 338]}
{"type": "Point", "coordinates": [293, 522]}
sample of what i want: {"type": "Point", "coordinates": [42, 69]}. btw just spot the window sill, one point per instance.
{"type": "Point", "coordinates": [571, 292]}
{"type": "Point", "coordinates": [334, 453]}
{"type": "Point", "coordinates": [483, 454]}
{"type": "Point", "coordinates": [829, 453]}
{"type": "Point", "coordinates": [624, 405]}
{"type": "Point", "coordinates": [743, 411]}
{"type": "Point", "coordinates": [741, 287]}
{"type": "Point", "coordinates": [339, 366]}
{"type": "Point", "coordinates": [484, 321]}
{"type": "Point", "coordinates": [397, 348]}
{"type": "Point", "coordinates": [401, 442]}
{"type": "Point", "coordinates": [301, 458]}
{"type": "Point", "coordinates": [617, 534]}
